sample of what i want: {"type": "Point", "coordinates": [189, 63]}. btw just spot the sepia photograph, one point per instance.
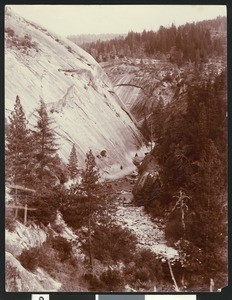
{"type": "Point", "coordinates": [116, 149]}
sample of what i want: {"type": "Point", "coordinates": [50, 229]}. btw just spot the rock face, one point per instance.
{"type": "Point", "coordinates": [78, 94]}
{"type": "Point", "coordinates": [24, 238]}
{"type": "Point", "coordinates": [20, 280]}
{"type": "Point", "coordinates": [141, 86]}
{"type": "Point", "coordinates": [148, 181]}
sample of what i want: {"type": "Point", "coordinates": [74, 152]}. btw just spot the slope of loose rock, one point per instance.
{"type": "Point", "coordinates": [150, 235]}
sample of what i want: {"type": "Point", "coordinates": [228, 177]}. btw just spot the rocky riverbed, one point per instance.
{"type": "Point", "coordinates": [150, 233]}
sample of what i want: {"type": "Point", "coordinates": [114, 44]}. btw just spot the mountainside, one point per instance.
{"type": "Point", "coordinates": [77, 92]}
{"type": "Point", "coordinates": [118, 210]}
{"type": "Point", "coordinates": [141, 84]}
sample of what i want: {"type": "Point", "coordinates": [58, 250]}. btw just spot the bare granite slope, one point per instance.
{"type": "Point", "coordinates": [78, 93]}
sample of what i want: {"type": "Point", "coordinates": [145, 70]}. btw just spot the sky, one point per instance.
{"type": "Point", "coordinates": [94, 19]}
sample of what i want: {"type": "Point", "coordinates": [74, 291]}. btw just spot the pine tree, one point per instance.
{"type": "Point", "coordinates": [18, 146]}
{"type": "Point", "coordinates": [46, 147]}
{"type": "Point", "coordinates": [157, 120]}
{"type": "Point", "coordinates": [91, 175]}
{"type": "Point", "coordinates": [146, 130]}
{"type": "Point", "coordinates": [194, 148]}
{"type": "Point", "coordinates": [72, 164]}
{"type": "Point", "coordinates": [87, 201]}
{"type": "Point", "coordinates": [91, 186]}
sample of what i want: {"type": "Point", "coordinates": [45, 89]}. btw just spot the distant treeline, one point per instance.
{"type": "Point", "coordinates": [193, 41]}
{"type": "Point", "coordinates": [81, 39]}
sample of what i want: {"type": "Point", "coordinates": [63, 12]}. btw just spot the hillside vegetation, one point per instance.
{"type": "Point", "coordinates": [89, 207]}
{"type": "Point", "coordinates": [187, 186]}
{"type": "Point", "coordinates": [193, 41]}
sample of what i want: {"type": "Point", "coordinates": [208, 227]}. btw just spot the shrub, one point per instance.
{"type": "Point", "coordinates": [10, 31]}
{"type": "Point", "coordinates": [53, 254]}
{"type": "Point", "coordinates": [76, 212]}
{"type": "Point", "coordinates": [145, 269]}
{"type": "Point", "coordinates": [22, 43]}
{"type": "Point", "coordinates": [46, 201]}
{"type": "Point", "coordinates": [142, 274]}
{"type": "Point", "coordinates": [47, 259]}
{"type": "Point", "coordinates": [63, 247]}
{"type": "Point", "coordinates": [30, 258]}
{"type": "Point", "coordinates": [113, 243]}
{"type": "Point", "coordinates": [94, 282]}
{"type": "Point", "coordinates": [109, 280]}
{"type": "Point", "coordinates": [112, 280]}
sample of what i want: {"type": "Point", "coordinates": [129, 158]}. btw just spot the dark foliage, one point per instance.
{"type": "Point", "coordinates": [195, 42]}
{"type": "Point", "coordinates": [30, 258]}
{"type": "Point", "coordinates": [112, 280]}
{"type": "Point", "coordinates": [112, 243]}
{"type": "Point", "coordinates": [63, 246]}
{"type": "Point", "coordinates": [82, 201]}
{"type": "Point", "coordinates": [145, 268]}
{"type": "Point", "coordinates": [150, 191]}
{"type": "Point", "coordinates": [192, 154]}
{"type": "Point", "coordinates": [74, 210]}
{"type": "Point", "coordinates": [46, 160]}
{"type": "Point", "coordinates": [18, 153]}
{"type": "Point", "coordinates": [72, 163]}
{"type": "Point", "coordinates": [24, 43]}
{"type": "Point", "coordinates": [109, 280]}
{"type": "Point", "coordinates": [46, 202]}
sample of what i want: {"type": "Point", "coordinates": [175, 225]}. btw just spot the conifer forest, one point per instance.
{"type": "Point", "coordinates": [116, 159]}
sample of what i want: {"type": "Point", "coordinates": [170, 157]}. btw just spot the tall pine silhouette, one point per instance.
{"type": "Point", "coordinates": [72, 164]}
{"type": "Point", "coordinates": [91, 187]}
{"type": "Point", "coordinates": [18, 146]}
{"type": "Point", "coordinates": [46, 147]}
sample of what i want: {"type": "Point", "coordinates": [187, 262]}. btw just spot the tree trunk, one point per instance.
{"type": "Point", "coordinates": [182, 212]}
{"type": "Point", "coordinates": [211, 286]}
{"type": "Point", "coordinates": [173, 278]}
{"type": "Point", "coordinates": [183, 281]}
{"type": "Point", "coordinates": [90, 245]}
